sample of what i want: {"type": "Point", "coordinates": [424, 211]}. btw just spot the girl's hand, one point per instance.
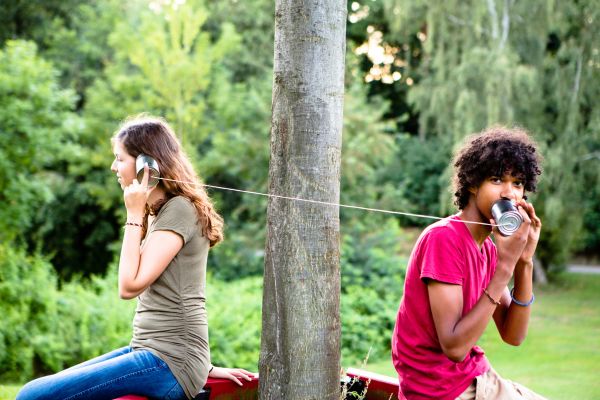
{"type": "Point", "coordinates": [136, 195]}
{"type": "Point", "coordinates": [234, 374]}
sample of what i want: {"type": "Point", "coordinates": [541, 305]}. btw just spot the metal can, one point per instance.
{"type": "Point", "coordinates": [143, 160]}
{"type": "Point", "coordinates": [507, 216]}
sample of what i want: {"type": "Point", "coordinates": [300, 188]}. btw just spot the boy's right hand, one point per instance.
{"type": "Point", "coordinates": [511, 247]}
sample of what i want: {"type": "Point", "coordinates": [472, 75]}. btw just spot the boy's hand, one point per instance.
{"type": "Point", "coordinates": [511, 248]}
{"type": "Point", "coordinates": [534, 232]}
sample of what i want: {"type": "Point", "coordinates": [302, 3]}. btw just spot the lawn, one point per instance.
{"type": "Point", "coordinates": [561, 357]}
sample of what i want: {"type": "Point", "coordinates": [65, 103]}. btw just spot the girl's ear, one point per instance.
{"type": "Point", "coordinates": [473, 190]}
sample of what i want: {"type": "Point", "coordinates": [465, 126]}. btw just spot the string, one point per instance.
{"type": "Point", "coordinates": [323, 202]}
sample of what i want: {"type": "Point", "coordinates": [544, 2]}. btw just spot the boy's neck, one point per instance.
{"type": "Point", "coordinates": [478, 232]}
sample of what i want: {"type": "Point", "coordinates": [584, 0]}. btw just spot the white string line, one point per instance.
{"type": "Point", "coordinates": [324, 202]}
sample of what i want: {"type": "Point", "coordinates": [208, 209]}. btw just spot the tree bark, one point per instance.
{"type": "Point", "coordinates": [300, 344]}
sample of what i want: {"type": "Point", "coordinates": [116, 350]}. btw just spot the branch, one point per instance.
{"type": "Point", "coordinates": [505, 24]}
{"type": "Point", "coordinates": [494, 17]}
{"type": "Point", "coordinates": [577, 78]}
{"type": "Point", "coordinates": [454, 19]}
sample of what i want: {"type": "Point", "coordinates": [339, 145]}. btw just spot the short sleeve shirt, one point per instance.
{"type": "Point", "coordinates": [170, 319]}
{"type": "Point", "coordinates": [445, 252]}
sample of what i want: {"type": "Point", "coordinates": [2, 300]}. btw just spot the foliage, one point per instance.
{"type": "Point", "coordinates": [368, 317]}
{"type": "Point", "coordinates": [420, 187]}
{"type": "Point", "coordinates": [531, 64]}
{"type": "Point", "coordinates": [46, 329]}
{"type": "Point", "coordinates": [37, 124]}
{"type": "Point", "coordinates": [234, 314]}
{"type": "Point", "coordinates": [28, 303]}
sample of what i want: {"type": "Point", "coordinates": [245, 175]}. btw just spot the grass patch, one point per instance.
{"type": "Point", "coordinates": [9, 392]}
{"type": "Point", "coordinates": [560, 357]}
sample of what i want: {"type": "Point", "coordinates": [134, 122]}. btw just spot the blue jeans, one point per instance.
{"type": "Point", "coordinates": [118, 373]}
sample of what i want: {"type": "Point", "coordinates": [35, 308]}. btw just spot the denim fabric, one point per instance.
{"type": "Point", "coordinates": [118, 373]}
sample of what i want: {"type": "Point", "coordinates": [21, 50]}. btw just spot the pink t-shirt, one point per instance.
{"type": "Point", "coordinates": [445, 252]}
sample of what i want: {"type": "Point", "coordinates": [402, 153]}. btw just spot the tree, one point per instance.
{"type": "Point", "coordinates": [533, 64]}
{"type": "Point", "coordinates": [300, 348]}
{"type": "Point", "coordinates": [37, 122]}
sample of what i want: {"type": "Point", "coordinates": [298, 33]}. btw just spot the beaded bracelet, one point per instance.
{"type": "Point", "coordinates": [519, 303]}
{"type": "Point", "coordinates": [497, 303]}
{"type": "Point", "coordinates": [133, 224]}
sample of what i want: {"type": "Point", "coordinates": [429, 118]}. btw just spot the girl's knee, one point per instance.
{"type": "Point", "coordinates": [27, 392]}
{"type": "Point", "coordinates": [33, 390]}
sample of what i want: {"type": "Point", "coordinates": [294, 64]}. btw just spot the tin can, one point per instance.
{"type": "Point", "coordinates": [143, 160]}
{"type": "Point", "coordinates": [507, 217]}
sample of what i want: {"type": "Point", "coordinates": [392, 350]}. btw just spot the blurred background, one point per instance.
{"type": "Point", "coordinates": [420, 76]}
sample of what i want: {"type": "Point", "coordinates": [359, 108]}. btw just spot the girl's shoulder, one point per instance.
{"type": "Point", "coordinates": [178, 206]}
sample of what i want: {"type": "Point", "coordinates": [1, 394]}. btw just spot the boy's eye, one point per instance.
{"type": "Point", "coordinates": [495, 179]}
{"type": "Point", "coordinates": [519, 183]}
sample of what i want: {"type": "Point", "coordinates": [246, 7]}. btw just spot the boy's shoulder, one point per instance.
{"type": "Point", "coordinates": [451, 226]}
{"type": "Point", "coordinates": [449, 232]}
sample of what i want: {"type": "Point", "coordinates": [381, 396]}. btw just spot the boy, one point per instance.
{"type": "Point", "coordinates": [457, 277]}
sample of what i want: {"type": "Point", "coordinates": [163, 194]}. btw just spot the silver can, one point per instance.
{"type": "Point", "coordinates": [507, 217]}
{"type": "Point", "coordinates": [143, 160]}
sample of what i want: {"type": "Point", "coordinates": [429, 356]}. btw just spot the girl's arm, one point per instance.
{"type": "Point", "coordinates": [139, 268]}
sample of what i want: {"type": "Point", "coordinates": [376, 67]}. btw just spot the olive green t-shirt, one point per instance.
{"type": "Point", "coordinates": [170, 319]}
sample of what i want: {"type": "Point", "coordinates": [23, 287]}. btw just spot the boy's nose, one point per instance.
{"type": "Point", "coordinates": [508, 193]}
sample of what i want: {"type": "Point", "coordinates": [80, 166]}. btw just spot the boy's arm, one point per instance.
{"type": "Point", "coordinates": [512, 320]}
{"type": "Point", "coordinates": [458, 334]}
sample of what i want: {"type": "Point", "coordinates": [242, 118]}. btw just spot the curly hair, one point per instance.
{"type": "Point", "coordinates": [495, 152]}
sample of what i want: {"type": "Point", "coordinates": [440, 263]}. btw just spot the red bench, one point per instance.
{"type": "Point", "coordinates": [381, 387]}
{"type": "Point", "coordinates": [221, 389]}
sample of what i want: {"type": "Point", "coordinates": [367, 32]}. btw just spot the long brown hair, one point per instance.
{"type": "Point", "coordinates": [154, 137]}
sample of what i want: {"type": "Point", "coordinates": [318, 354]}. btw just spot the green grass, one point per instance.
{"type": "Point", "coordinates": [560, 358]}
{"type": "Point", "coordinates": [9, 392]}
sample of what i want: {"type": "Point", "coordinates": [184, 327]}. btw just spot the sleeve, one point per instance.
{"type": "Point", "coordinates": [178, 215]}
{"type": "Point", "coordinates": [442, 259]}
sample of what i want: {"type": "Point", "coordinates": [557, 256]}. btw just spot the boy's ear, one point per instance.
{"type": "Point", "coordinates": [473, 190]}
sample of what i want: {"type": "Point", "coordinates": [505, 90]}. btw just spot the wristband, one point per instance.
{"type": "Point", "coordinates": [133, 224]}
{"type": "Point", "coordinates": [496, 303]}
{"type": "Point", "coordinates": [211, 368]}
{"type": "Point", "coordinates": [520, 303]}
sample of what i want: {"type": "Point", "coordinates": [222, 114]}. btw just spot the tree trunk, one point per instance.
{"type": "Point", "coordinates": [300, 348]}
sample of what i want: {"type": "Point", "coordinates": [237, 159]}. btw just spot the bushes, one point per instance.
{"type": "Point", "coordinates": [28, 304]}
{"type": "Point", "coordinates": [234, 320]}
{"type": "Point", "coordinates": [368, 318]}
{"type": "Point", "coordinates": [46, 329]}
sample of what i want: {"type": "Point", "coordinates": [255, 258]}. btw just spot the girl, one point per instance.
{"type": "Point", "coordinates": [168, 232]}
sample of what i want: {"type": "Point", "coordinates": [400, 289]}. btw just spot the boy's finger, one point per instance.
{"type": "Point", "coordinates": [524, 213]}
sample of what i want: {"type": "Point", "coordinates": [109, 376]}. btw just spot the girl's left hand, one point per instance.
{"type": "Point", "coordinates": [234, 374]}
{"type": "Point", "coordinates": [136, 195]}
